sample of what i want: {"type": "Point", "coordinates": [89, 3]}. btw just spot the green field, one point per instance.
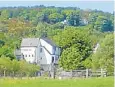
{"type": "Point", "coordinates": [90, 82]}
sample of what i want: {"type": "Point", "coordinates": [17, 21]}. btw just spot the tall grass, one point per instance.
{"type": "Point", "coordinates": [40, 82]}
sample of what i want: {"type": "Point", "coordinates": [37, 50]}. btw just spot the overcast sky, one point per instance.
{"type": "Point", "coordinates": [107, 6]}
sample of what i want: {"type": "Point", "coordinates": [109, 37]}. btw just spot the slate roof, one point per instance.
{"type": "Point", "coordinates": [29, 42]}
{"type": "Point", "coordinates": [48, 41]}
{"type": "Point", "coordinates": [35, 41]}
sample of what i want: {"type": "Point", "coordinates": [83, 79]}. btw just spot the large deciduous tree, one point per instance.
{"type": "Point", "coordinates": [76, 47]}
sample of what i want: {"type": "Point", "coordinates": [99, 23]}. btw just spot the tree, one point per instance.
{"type": "Point", "coordinates": [15, 67]}
{"type": "Point", "coordinates": [18, 28]}
{"type": "Point", "coordinates": [74, 19]}
{"type": "Point", "coordinates": [70, 59]}
{"type": "Point", "coordinates": [56, 17]}
{"type": "Point", "coordinates": [76, 47]}
{"type": "Point", "coordinates": [87, 63]}
{"type": "Point", "coordinates": [42, 17]}
{"type": "Point", "coordinates": [6, 51]}
{"type": "Point", "coordinates": [41, 29]}
{"type": "Point", "coordinates": [103, 24]}
{"type": "Point", "coordinates": [92, 18]}
{"type": "Point", "coordinates": [104, 56]}
{"type": "Point", "coordinates": [5, 65]}
{"type": "Point", "coordinates": [27, 69]}
{"type": "Point", "coordinates": [4, 14]}
{"type": "Point", "coordinates": [66, 12]}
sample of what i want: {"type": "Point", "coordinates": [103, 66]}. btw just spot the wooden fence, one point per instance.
{"type": "Point", "coordinates": [61, 74]}
{"type": "Point", "coordinates": [81, 73]}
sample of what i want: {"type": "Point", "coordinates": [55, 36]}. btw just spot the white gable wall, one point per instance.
{"type": "Point", "coordinates": [47, 46]}
{"type": "Point", "coordinates": [48, 56]}
{"type": "Point", "coordinates": [29, 54]}
{"type": "Point", "coordinates": [50, 49]}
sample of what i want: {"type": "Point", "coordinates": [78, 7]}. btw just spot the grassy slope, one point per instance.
{"type": "Point", "coordinates": [90, 82]}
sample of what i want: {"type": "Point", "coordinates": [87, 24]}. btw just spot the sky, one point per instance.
{"type": "Point", "coordinates": [106, 6]}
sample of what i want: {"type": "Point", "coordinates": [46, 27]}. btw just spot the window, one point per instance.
{"type": "Point", "coordinates": [54, 50]}
{"type": "Point", "coordinates": [25, 55]}
{"type": "Point", "coordinates": [52, 59]}
{"type": "Point", "coordinates": [32, 55]}
{"type": "Point", "coordinates": [22, 55]}
{"type": "Point", "coordinates": [40, 49]}
{"type": "Point", "coordinates": [29, 55]}
{"type": "Point", "coordinates": [25, 49]}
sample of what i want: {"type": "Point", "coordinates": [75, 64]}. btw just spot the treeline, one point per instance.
{"type": "Point", "coordinates": [74, 16]}
{"type": "Point", "coordinates": [16, 68]}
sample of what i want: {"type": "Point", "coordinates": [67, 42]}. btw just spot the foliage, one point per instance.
{"type": "Point", "coordinates": [70, 59]}
{"type": "Point", "coordinates": [17, 67]}
{"type": "Point", "coordinates": [103, 24]}
{"type": "Point", "coordinates": [104, 57]}
{"type": "Point", "coordinates": [56, 17]}
{"type": "Point", "coordinates": [74, 19]}
{"type": "Point", "coordinates": [76, 47]}
{"type": "Point", "coordinates": [1, 43]}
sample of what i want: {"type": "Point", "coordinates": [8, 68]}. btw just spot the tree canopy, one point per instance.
{"type": "Point", "coordinates": [76, 47]}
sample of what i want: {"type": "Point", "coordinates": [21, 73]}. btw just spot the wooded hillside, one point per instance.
{"type": "Point", "coordinates": [75, 30]}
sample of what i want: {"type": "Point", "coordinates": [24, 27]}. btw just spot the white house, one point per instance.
{"type": "Point", "coordinates": [41, 51]}
{"type": "Point", "coordinates": [29, 49]}
{"type": "Point", "coordinates": [64, 22]}
{"type": "Point", "coordinates": [50, 50]}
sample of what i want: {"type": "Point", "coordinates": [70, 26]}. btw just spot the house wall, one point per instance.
{"type": "Point", "coordinates": [47, 46]}
{"type": "Point", "coordinates": [29, 54]}
{"type": "Point", "coordinates": [41, 58]}
{"type": "Point", "coordinates": [45, 57]}
{"type": "Point", "coordinates": [48, 52]}
{"type": "Point", "coordinates": [38, 54]}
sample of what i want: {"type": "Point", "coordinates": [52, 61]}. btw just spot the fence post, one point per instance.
{"type": "Point", "coordinates": [87, 72]}
{"type": "Point", "coordinates": [101, 72]}
{"type": "Point", "coordinates": [4, 73]}
{"type": "Point", "coordinates": [71, 73]}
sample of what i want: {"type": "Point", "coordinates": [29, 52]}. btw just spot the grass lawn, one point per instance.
{"type": "Point", "coordinates": [80, 82]}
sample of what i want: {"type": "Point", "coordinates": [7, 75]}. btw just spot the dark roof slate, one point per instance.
{"type": "Point", "coordinates": [29, 42]}
{"type": "Point", "coordinates": [49, 41]}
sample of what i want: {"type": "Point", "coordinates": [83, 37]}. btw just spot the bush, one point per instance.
{"type": "Point", "coordinates": [15, 67]}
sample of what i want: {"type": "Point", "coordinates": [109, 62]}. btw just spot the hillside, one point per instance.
{"type": "Point", "coordinates": [75, 30]}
